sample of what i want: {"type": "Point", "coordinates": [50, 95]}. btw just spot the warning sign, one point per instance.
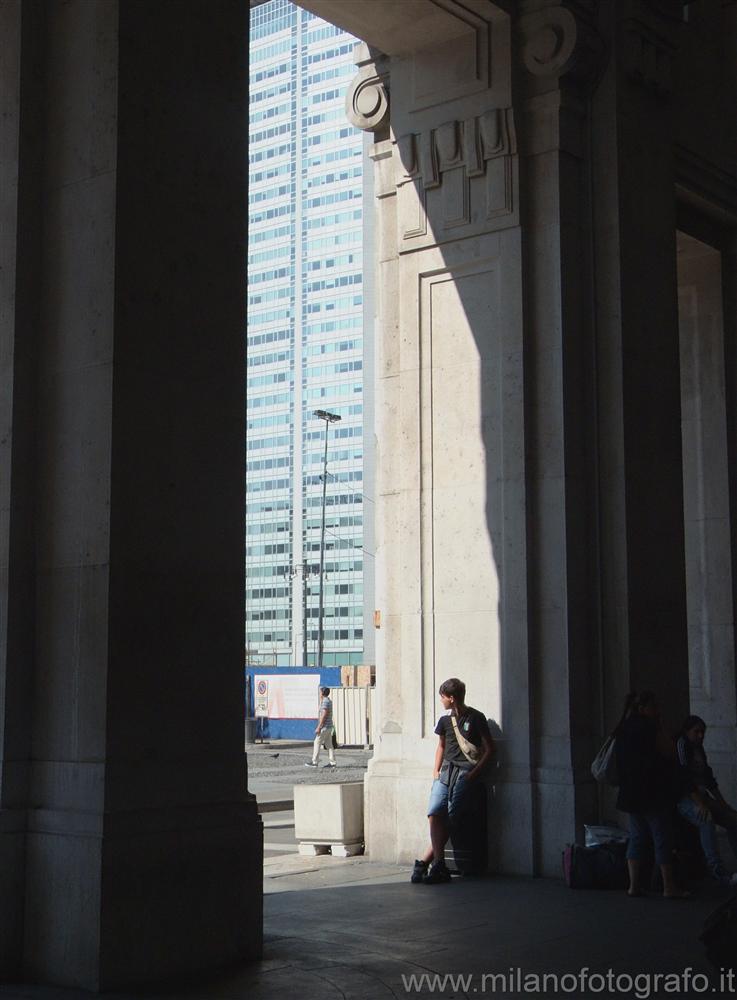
{"type": "Point", "coordinates": [262, 697]}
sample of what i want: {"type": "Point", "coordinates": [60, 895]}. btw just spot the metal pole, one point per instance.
{"type": "Point", "coordinates": [304, 614]}
{"type": "Point", "coordinates": [322, 550]}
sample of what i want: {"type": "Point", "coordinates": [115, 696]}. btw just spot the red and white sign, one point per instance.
{"type": "Point", "coordinates": [261, 687]}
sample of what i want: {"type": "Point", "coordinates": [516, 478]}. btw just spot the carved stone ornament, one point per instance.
{"type": "Point", "coordinates": [468, 144]}
{"type": "Point", "coordinates": [367, 99]}
{"type": "Point", "coordinates": [455, 180]}
{"type": "Point", "coordinates": [555, 42]}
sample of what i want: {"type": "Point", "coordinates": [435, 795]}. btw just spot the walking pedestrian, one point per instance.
{"type": "Point", "coordinates": [324, 731]}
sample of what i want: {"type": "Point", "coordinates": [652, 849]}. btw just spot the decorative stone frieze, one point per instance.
{"type": "Point", "coordinates": [381, 155]}
{"type": "Point", "coordinates": [467, 144]}
{"type": "Point", "coordinates": [367, 98]}
{"type": "Point", "coordinates": [457, 175]}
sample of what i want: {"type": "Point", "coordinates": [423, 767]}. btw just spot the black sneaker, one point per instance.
{"type": "Point", "coordinates": [437, 872]}
{"type": "Point", "coordinates": [310, 763]}
{"type": "Point", "coordinates": [418, 871]}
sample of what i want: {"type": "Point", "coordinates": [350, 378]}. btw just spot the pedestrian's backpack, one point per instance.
{"type": "Point", "coordinates": [599, 867]}
{"type": "Point", "coordinates": [720, 935]}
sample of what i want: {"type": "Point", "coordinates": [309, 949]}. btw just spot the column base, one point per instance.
{"type": "Point", "coordinates": [12, 854]}
{"type": "Point", "coordinates": [146, 897]}
{"type": "Point", "coordinates": [396, 817]}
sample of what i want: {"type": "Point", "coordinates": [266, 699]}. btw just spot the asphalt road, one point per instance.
{"type": "Point", "coordinates": [273, 770]}
{"type": "Point", "coordinates": [282, 762]}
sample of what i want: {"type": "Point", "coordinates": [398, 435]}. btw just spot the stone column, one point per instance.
{"type": "Point", "coordinates": [560, 58]}
{"type": "Point", "coordinates": [729, 303]}
{"type": "Point", "coordinates": [644, 637]}
{"type": "Point", "coordinates": [142, 845]}
{"type": "Point", "coordinates": [706, 501]}
{"type": "Point", "coordinates": [530, 509]}
{"type": "Point", "coordinates": [451, 519]}
{"type": "Point", "coordinates": [20, 217]}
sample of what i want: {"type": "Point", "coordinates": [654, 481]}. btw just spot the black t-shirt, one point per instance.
{"type": "Point", "coordinates": [472, 725]}
{"type": "Point", "coordinates": [647, 780]}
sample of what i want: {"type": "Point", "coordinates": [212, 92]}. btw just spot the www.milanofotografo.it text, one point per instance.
{"type": "Point", "coordinates": [642, 985]}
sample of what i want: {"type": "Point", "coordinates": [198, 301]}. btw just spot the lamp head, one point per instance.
{"type": "Point", "coordinates": [325, 415]}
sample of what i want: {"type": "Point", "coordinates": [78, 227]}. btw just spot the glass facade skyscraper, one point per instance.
{"type": "Point", "coordinates": [308, 326]}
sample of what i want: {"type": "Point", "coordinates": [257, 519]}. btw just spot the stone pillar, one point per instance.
{"type": "Point", "coordinates": [451, 527]}
{"type": "Point", "coordinates": [706, 501]}
{"type": "Point", "coordinates": [729, 301]}
{"type": "Point", "coordinates": [484, 503]}
{"type": "Point", "coordinates": [142, 845]}
{"type": "Point", "coordinates": [643, 631]}
{"type": "Point", "coordinates": [529, 499]}
{"type": "Point", "coordinates": [511, 600]}
{"type": "Point", "coordinates": [560, 55]}
{"type": "Point", "coordinates": [20, 199]}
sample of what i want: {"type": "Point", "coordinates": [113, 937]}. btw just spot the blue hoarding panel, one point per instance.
{"type": "Point", "coordinates": [289, 729]}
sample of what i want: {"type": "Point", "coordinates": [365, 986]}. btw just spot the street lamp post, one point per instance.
{"type": "Point", "coordinates": [329, 418]}
{"type": "Point", "coordinates": [293, 572]}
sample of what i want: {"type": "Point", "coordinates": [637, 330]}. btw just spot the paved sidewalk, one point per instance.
{"type": "Point", "coordinates": [350, 929]}
{"type": "Point", "coordinates": [353, 929]}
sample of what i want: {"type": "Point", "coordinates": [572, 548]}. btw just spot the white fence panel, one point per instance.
{"type": "Point", "coordinates": [352, 715]}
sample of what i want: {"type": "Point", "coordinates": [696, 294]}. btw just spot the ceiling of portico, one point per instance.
{"type": "Point", "coordinates": [399, 28]}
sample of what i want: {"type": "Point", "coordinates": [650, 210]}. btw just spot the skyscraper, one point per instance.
{"type": "Point", "coordinates": [308, 333]}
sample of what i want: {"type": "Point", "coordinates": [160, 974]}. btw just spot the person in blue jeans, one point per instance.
{"type": "Point", "coordinates": [703, 804]}
{"type": "Point", "coordinates": [464, 747]}
{"type": "Point", "coordinates": [648, 788]}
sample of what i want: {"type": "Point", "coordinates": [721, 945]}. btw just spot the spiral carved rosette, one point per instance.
{"type": "Point", "coordinates": [367, 99]}
{"type": "Point", "coordinates": [555, 42]}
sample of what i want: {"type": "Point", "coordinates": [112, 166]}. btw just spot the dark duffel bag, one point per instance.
{"type": "Point", "coordinates": [600, 867]}
{"type": "Point", "coordinates": [720, 935]}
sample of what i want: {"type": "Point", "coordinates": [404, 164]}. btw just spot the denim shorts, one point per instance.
{"type": "Point", "coordinates": [447, 799]}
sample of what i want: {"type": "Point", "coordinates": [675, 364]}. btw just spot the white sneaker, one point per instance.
{"type": "Point", "coordinates": [330, 764]}
{"type": "Point", "coordinates": [310, 763]}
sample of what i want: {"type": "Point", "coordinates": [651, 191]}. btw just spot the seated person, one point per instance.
{"type": "Point", "coordinates": [702, 803]}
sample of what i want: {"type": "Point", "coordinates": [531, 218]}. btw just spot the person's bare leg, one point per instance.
{"type": "Point", "coordinates": [633, 867]}
{"type": "Point", "coordinates": [438, 836]}
{"type": "Point", "coordinates": [671, 889]}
